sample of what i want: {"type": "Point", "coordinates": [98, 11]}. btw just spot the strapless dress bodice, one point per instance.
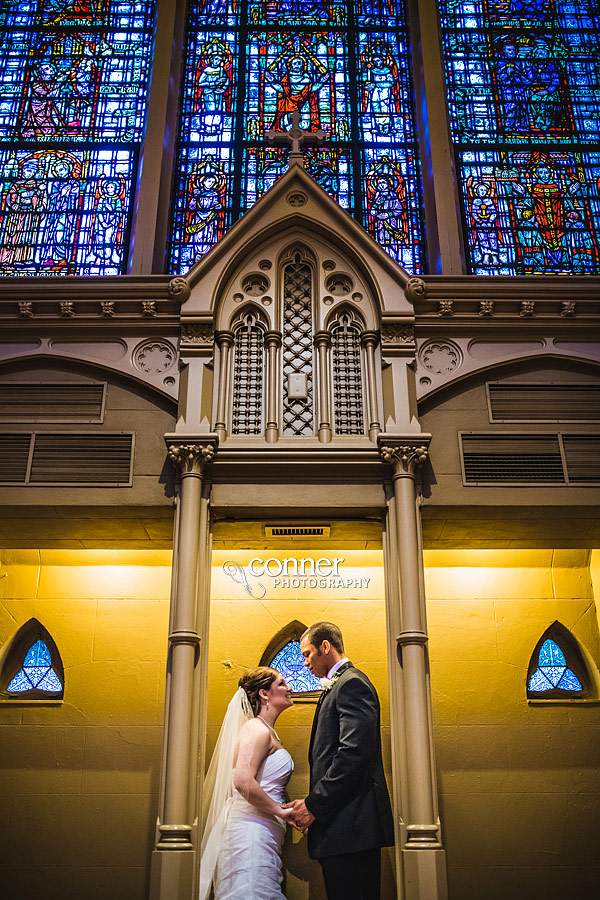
{"type": "Point", "coordinates": [276, 773]}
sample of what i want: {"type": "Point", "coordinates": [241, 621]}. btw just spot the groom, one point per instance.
{"type": "Point", "coordinates": [347, 812]}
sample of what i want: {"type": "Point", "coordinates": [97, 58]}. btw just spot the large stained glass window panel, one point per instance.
{"type": "Point", "coordinates": [73, 87]}
{"type": "Point", "coordinates": [334, 65]}
{"type": "Point", "coordinates": [523, 78]}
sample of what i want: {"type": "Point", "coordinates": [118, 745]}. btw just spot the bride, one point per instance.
{"type": "Point", "coordinates": [243, 791]}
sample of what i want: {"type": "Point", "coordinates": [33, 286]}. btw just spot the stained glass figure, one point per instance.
{"type": "Point", "coordinates": [532, 213]}
{"type": "Point", "coordinates": [73, 79]}
{"type": "Point", "coordinates": [552, 671]}
{"type": "Point", "coordinates": [37, 672]}
{"type": "Point", "coordinates": [251, 64]}
{"type": "Point", "coordinates": [290, 662]}
{"type": "Point", "coordinates": [523, 79]}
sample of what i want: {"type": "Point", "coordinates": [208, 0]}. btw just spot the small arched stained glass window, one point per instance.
{"type": "Point", "coordinates": [552, 671]}
{"type": "Point", "coordinates": [290, 662]}
{"type": "Point", "coordinates": [36, 673]}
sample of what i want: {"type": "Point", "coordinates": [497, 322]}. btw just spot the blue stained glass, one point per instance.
{"type": "Point", "coordinates": [289, 71]}
{"type": "Point", "coordinates": [297, 57]}
{"type": "Point", "coordinates": [392, 204]}
{"type": "Point", "coordinates": [38, 655]}
{"type": "Point", "coordinates": [297, 12]}
{"type": "Point", "coordinates": [552, 671]}
{"type": "Point", "coordinates": [74, 78]}
{"type": "Point", "coordinates": [290, 662]}
{"type": "Point", "coordinates": [37, 672]}
{"type": "Point", "coordinates": [570, 682]}
{"type": "Point", "coordinates": [551, 655]}
{"type": "Point", "coordinates": [523, 77]}
{"type": "Point", "coordinates": [531, 212]}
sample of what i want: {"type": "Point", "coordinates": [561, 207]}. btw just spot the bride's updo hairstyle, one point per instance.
{"type": "Point", "coordinates": [256, 680]}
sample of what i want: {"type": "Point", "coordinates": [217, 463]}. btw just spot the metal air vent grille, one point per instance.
{"type": "Point", "coordinates": [530, 459]}
{"type": "Point", "coordinates": [297, 530]}
{"type": "Point", "coordinates": [512, 402]}
{"type": "Point", "coordinates": [52, 402]}
{"type": "Point", "coordinates": [101, 460]}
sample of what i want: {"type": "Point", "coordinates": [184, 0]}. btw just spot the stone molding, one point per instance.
{"type": "Point", "coordinates": [197, 333]}
{"type": "Point", "coordinates": [398, 334]}
{"type": "Point", "coordinates": [416, 289]}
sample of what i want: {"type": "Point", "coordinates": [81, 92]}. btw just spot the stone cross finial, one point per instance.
{"type": "Point", "coordinates": [296, 138]}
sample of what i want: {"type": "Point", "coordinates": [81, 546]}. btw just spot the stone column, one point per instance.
{"type": "Point", "coordinates": [424, 859]}
{"type": "Point", "coordinates": [272, 344]}
{"type": "Point", "coordinates": [173, 859]}
{"type": "Point", "coordinates": [323, 343]}
{"type": "Point", "coordinates": [369, 341]}
{"type": "Point", "coordinates": [224, 341]}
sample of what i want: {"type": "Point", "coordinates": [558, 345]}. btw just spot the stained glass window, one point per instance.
{"type": "Point", "coordinates": [290, 662]}
{"type": "Point", "coordinates": [552, 671]}
{"type": "Point", "coordinates": [73, 85]}
{"type": "Point", "coordinates": [36, 673]}
{"type": "Point", "coordinates": [523, 83]}
{"type": "Point", "coordinates": [344, 68]}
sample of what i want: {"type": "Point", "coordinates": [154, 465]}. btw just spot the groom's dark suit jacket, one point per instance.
{"type": "Point", "coordinates": [348, 795]}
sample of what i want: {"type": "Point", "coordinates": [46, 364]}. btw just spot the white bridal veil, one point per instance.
{"type": "Point", "coordinates": [218, 788]}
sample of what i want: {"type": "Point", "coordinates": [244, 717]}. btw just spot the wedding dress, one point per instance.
{"type": "Point", "coordinates": [249, 861]}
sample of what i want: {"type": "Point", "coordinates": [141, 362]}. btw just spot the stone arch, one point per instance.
{"type": "Point", "coordinates": [13, 658]}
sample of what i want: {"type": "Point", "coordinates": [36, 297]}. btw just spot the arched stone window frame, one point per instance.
{"type": "Point", "coordinates": [347, 316]}
{"type": "Point", "coordinates": [577, 659]}
{"type": "Point", "coordinates": [250, 319]}
{"type": "Point", "coordinates": [298, 253]}
{"type": "Point", "coordinates": [12, 657]}
{"type": "Point", "coordinates": [293, 631]}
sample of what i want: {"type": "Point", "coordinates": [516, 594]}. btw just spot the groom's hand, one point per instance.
{"type": "Point", "coordinates": [301, 816]}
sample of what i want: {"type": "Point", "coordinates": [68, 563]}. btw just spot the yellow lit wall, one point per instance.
{"type": "Point", "coordinates": [240, 629]}
{"type": "Point", "coordinates": [519, 782]}
{"type": "Point", "coordinates": [79, 779]}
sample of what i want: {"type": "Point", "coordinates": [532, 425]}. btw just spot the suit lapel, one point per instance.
{"type": "Point", "coordinates": [320, 701]}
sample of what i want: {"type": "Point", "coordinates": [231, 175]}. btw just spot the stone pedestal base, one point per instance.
{"type": "Point", "coordinates": [172, 874]}
{"type": "Point", "coordinates": [425, 875]}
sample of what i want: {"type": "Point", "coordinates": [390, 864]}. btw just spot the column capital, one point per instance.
{"type": "Point", "coordinates": [369, 338]}
{"type": "Point", "coordinates": [405, 452]}
{"type": "Point", "coordinates": [191, 457]}
{"type": "Point", "coordinates": [273, 338]}
{"type": "Point", "coordinates": [323, 339]}
{"type": "Point", "coordinates": [224, 338]}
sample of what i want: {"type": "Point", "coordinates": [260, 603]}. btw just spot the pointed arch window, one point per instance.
{"type": "Point", "coordinates": [297, 347]}
{"type": "Point", "coordinates": [557, 669]}
{"type": "Point", "coordinates": [248, 375]}
{"type": "Point", "coordinates": [347, 374]}
{"type": "Point", "coordinates": [32, 668]}
{"type": "Point", "coordinates": [283, 653]}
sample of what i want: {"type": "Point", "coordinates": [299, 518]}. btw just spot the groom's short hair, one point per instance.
{"type": "Point", "coordinates": [324, 631]}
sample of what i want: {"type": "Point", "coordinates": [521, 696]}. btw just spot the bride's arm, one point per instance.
{"type": "Point", "coordinates": [254, 744]}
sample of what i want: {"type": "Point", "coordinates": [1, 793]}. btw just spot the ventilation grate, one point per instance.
{"type": "Point", "coordinates": [297, 530]}
{"type": "Point", "coordinates": [582, 457]}
{"type": "Point", "coordinates": [66, 458]}
{"type": "Point", "coordinates": [490, 459]}
{"type": "Point", "coordinates": [14, 457]}
{"type": "Point", "coordinates": [82, 458]}
{"type": "Point", "coordinates": [510, 402]}
{"type": "Point", "coordinates": [52, 402]}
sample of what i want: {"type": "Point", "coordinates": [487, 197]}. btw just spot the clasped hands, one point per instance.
{"type": "Point", "coordinates": [299, 815]}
